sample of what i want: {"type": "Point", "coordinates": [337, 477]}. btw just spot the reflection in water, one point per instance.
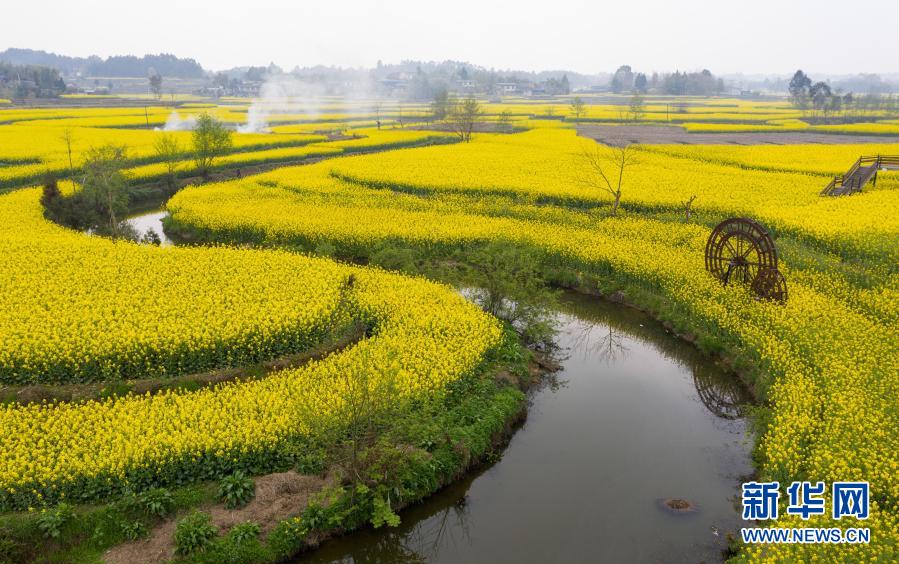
{"type": "Point", "coordinates": [723, 397]}
{"type": "Point", "coordinates": [150, 220]}
{"type": "Point", "coordinates": [640, 416]}
{"type": "Point", "coordinates": [606, 343]}
{"type": "Point", "coordinates": [605, 336]}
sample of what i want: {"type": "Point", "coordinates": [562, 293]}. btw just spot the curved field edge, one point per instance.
{"type": "Point", "coordinates": [424, 336]}
{"type": "Point", "coordinates": [827, 369]}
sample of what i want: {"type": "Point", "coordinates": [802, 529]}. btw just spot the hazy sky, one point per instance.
{"type": "Point", "coordinates": [760, 36]}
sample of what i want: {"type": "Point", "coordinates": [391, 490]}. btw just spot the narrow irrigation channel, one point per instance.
{"type": "Point", "coordinates": [635, 418]}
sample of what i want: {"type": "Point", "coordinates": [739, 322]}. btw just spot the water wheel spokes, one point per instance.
{"type": "Point", "coordinates": [770, 284]}
{"type": "Point", "coordinates": [739, 250]}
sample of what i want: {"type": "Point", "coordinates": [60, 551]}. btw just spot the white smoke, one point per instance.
{"type": "Point", "coordinates": [282, 93]}
{"type": "Point", "coordinates": [289, 94]}
{"type": "Point", "coordinates": [175, 123]}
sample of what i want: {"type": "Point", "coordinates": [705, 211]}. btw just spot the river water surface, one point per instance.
{"type": "Point", "coordinates": [635, 417]}
{"type": "Point", "coordinates": [150, 220]}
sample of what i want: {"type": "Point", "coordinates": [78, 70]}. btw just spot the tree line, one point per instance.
{"type": "Point", "coordinates": [819, 98]}
{"type": "Point", "coordinates": [702, 83]}
{"type": "Point", "coordinates": [24, 81]}
{"type": "Point", "coordinates": [115, 66]}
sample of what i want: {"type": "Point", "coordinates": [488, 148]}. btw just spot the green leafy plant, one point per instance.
{"type": "Point", "coordinates": [288, 536]}
{"type": "Point", "coordinates": [236, 490]}
{"type": "Point", "coordinates": [134, 530]}
{"type": "Point", "coordinates": [51, 521]}
{"type": "Point", "coordinates": [383, 514]}
{"type": "Point", "coordinates": [194, 532]}
{"type": "Point", "coordinates": [243, 532]}
{"type": "Point", "coordinates": [158, 502]}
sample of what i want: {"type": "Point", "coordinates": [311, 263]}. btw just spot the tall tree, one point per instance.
{"type": "Point", "coordinates": [605, 168]}
{"type": "Point", "coordinates": [440, 104]}
{"type": "Point", "coordinates": [68, 138]}
{"type": "Point", "coordinates": [168, 150]}
{"type": "Point", "coordinates": [155, 83]}
{"type": "Point", "coordinates": [623, 79]}
{"type": "Point", "coordinates": [104, 184]}
{"type": "Point", "coordinates": [640, 83]}
{"type": "Point", "coordinates": [820, 94]}
{"type": "Point", "coordinates": [578, 108]}
{"type": "Point", "coordinates": [463, 116]}
{"type": "Point", "coordinates": [636, 109]}
{"type": "Point", "coordinates": [211, 139]}
{"type": "Point", "coordinates": [799, 89]}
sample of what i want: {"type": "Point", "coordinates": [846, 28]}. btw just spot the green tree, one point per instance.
{"type": "Point", "coordinates": [799, 89]}
{"type": "Point", "coordinates": [820, 94]}
{"type": "Point", "coordinates": [511, 286]}
{"type": "Point", "coordinates": [211, 139]}
{"type": "Point", "coordinates": [168, 150]}
{"type": "Point", "coordinates": [104, 185]}
{"type": "Point", "coordinates": [640, 83]}
{"type": "Point", "coordinates": [623, 79]}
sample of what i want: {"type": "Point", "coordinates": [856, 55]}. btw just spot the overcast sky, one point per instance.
{"type": "Point", "coordinates": [759, 36]}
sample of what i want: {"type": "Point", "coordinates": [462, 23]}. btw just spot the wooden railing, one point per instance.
{"type": "Point", "coordinates": [853, 182]}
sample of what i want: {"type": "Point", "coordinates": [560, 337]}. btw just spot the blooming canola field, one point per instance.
{"type": "Point", "coordinates": [77, 308]}
{"type": "Point", "coordinates": [827, 358]}
{"type": "Point", "coordinates": [172, 310]}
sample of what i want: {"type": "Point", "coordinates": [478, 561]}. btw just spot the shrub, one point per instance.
{"type": "Point", "coordinates": [51, 521]}
{"type": "Point", "coordinates": [158, 502]}
{"type": "Point", "coordinates": [287, 537]}
{"type": "Point", "coordinates": [244, 532]}
{"type": "Point", "coordinates": [239, 546]}
{"type": "Point", "coordinates": [133, 530]}
{"type": "Point", "coordinates": [236, 490]}
{"type": "Point", "coordinates": [193, 533]}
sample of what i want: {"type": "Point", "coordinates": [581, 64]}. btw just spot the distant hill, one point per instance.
{"type": "Point", "coordinates": [120, 66]}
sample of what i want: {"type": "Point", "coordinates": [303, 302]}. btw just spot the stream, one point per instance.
{"type": "Point", "coordinates": [150, 220]}
{"type": "Point", "coordinates": [635, 417]}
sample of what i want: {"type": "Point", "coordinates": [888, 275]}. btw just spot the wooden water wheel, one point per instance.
{"type": "Point", "coordinates": [741, 250]}
{"type": "Point", "coordinates": [770, 284]}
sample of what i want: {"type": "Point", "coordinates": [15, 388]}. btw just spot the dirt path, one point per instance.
{"type": "Point", "coordinates": [676, 135]}
{"type": "Point", "coordinates": [278, 496]}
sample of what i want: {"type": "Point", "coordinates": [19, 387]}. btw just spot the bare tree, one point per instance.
{"type": "Point", "coordinates": [68, 139]}
{"type": "Point", "coordinates": [635, 107]}
{"type": "Point", "coordinates": [578, 108]}
{"type": "Point", "coordinates": [462, 117]}
{"type": "Point", "coordinates": [377, 109]}
{"type": "Point", "coordinates": [606, 165]}
{"type": "Point", "coordinates": [688, 208]}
